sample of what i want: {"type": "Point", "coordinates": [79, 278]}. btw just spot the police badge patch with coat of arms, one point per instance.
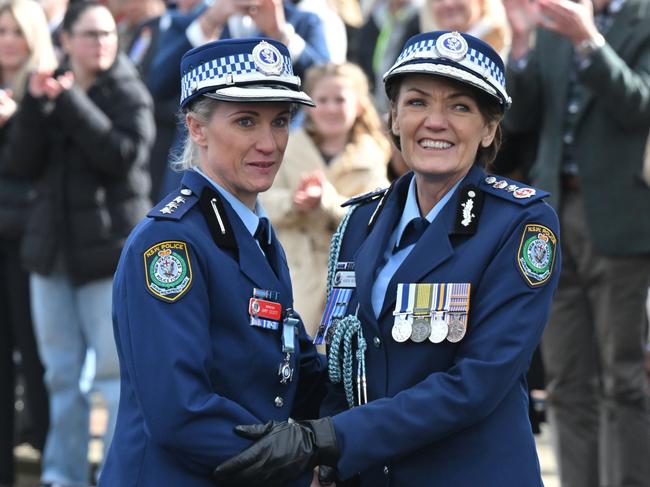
{"type": "Point", "coordinates": [536, 255]}
{"type": "Point", "coordinates": [168, 270]}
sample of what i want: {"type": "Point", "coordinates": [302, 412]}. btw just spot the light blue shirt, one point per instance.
{"type": "Point", "coordinates": [394, 261]}
{"type": "Point", "coordinates": [249, 218]}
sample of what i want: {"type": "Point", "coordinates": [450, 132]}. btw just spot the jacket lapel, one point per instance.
{"type": "Point", "coordinates": [369, 256]}
{"type": "Point", "coordinates": [279, 263]}
{"type": "Point", "coordinates": [434, 247]}
{"type": "Point", "coordinates": [558, 65]}
{"type": "Point", "coordinates": [252, 261]}
{"type": "Point", "coordinates": [429, 252]}
{"type": "Point", "coordinates": [234, 236]}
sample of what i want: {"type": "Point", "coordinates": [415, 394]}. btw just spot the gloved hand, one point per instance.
{"type": "Point", "coordinates": [282, 452]}
{"type": "Point", "coordinates": [326, 475]}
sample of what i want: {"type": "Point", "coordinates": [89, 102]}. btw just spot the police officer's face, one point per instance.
{"type": "Point", "coordinates": [440, 127]}
{"type": "Point", "coordinates": [242, 146]}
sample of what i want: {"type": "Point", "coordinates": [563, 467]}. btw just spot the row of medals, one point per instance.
{"type": "Point", "coordinates": [436, 327]}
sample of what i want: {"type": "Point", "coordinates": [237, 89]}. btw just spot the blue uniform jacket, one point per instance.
{"type": "Point", "coordinates": [193, 368]}
{"type": "Point", "coordinates": [448, 414]}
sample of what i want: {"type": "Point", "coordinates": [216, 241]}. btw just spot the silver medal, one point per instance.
{"type": "Point", "coordinates": [457, 328]}
{"type": "Point", "coordinates": [402, 327]}
{"type": "Point", "coordinates": [439, 328]}
{"type": "Point", "coordinates": [285, 371]}
{"type": "Point", "coordinates": [421, 329]}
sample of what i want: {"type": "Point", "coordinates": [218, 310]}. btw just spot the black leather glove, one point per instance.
{"type": "Point", "coordinates": [327, 475]}
{"type": "Point", "coordinates": [282, 452]}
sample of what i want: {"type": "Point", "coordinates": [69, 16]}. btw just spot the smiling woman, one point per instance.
{"type": "Point", "coordinates": [203, 295]}
{"type": "Point", "coordinates": [439, 289]}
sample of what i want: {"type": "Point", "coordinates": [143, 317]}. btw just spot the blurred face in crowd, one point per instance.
{"type": "Point", "coordinates": [458, 15]}
{"type": "Point", "coordinates": [92, 42]}
{"type": "Point", "coordinates": [242, 145]}
{"type": "Point", "coordinates": [337, 107]}
{"type": "Point", "coordinates": [14, 50]}
{"type": "Point", "coordinates": [440, 126]}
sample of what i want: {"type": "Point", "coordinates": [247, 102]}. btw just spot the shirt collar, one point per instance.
{"type": "Point", "coordinates": [412, 210]}
{"type": "Point", "coordinates": [249, 218]}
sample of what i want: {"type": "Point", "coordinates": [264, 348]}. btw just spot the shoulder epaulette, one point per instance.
{"type": "Point", "coordinates": [511, 190]}
{"type": "Point", "coordinates": [174, 206]}
{"type": "Point", "coordinates": [364, 198]}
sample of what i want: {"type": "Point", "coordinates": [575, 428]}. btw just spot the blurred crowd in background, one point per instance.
{"type": "Point", "coordinates": [89, 125]}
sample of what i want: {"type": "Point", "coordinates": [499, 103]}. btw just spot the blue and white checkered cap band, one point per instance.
{"type": "Point", "coordinates": [231, 70]}
{"type": "Point", "coordinates": [483, 72]}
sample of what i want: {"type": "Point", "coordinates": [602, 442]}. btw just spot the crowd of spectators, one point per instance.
{"type": "Point", "coordinates": [89, 131]}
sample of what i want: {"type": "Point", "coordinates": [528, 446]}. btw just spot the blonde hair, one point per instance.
{"type": "Point", "coordinates": [188, 156]}
{"type": "Point", "coordinates": [368, 121]}
{"type": "Point", "coordinates": [31, 20]}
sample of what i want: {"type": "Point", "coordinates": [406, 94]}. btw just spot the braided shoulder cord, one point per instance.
{"type": "Point", "coordinates": [341, 370]}
{"type": "Point", "coordinates": [335, 249]}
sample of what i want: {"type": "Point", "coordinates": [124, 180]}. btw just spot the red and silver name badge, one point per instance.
{"type": "Point", "coordinates": [268, 310]}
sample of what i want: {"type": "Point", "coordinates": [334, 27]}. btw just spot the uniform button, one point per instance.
{"type": "Point", "coordinates": [186, 192]}
{"type": "Point", "coordinates": [573, 107]}
{"type": "Point", "coordinates": [386, 470]}
{"type": "Point", "coordinates": [376, 342]}
{"type": "Point", "coordinates": [279, 402]}
{"type": "Point", "coordinates": [568, 139]}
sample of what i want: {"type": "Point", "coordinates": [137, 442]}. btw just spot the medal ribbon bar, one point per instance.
{"type": "Point", "coordinates": [423, 299]}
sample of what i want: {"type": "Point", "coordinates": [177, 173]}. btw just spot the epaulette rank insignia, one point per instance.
{"type": "Point", "coordinates": [365, 197]}
{"type": "Point", "coordinates": [510, 190]}
{"type": "Point", "coordinates": [174, 208]}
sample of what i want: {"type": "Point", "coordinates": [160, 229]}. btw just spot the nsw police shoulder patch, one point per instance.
{"type": "Point", "coordinates": [168, 270]}
{"type": "Point", "coordinates": [536, 255]}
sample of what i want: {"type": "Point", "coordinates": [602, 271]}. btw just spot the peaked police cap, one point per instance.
{"type": "Point", "coordinates": [240, 70]}
{"type": "Point", "coordinates": [455, 55]}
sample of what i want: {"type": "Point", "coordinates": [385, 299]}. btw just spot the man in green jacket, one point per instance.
{"type": "Point", "coordinates": [579, 74]}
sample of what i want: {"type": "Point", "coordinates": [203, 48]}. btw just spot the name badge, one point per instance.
{"type": "Point", "coordinates": [268, 310]}
{"type": "Point", "coordinates": [264, 310]}
{"type": "Point", "coordinates": [345, 279]}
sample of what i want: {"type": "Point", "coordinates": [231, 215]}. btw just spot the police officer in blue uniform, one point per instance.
{"type": "Point", "coordinates": [447, 278]}
{"type": "Point", "coordinates": [202, 312]}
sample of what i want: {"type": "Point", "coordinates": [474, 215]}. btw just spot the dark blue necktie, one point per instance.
{"type": "Point", "coordinates": [412, 233]}
{"type": "Point", "coordinates": [262, 234]}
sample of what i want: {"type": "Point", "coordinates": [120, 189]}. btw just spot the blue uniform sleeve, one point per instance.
{"type": "Point", "coordinates": [507, 317]}
{"type": "Point", "coordinates": [165, 349]}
